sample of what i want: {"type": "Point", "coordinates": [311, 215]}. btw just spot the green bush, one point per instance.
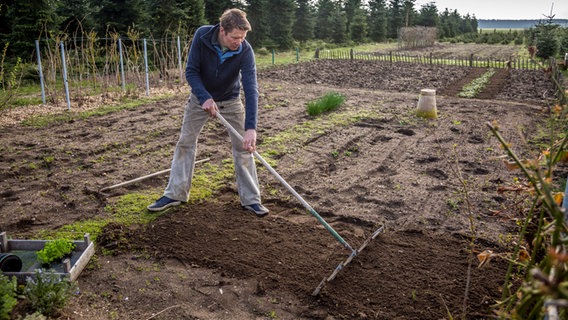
{"type": "Point", "coordinates": [8, 296]}
{"type": "Point", "coordinates": [48, 292]}
{"type": "Point", "coordinates": [329, 102]}
{"type": "Point", "coordinates": [55, 250]}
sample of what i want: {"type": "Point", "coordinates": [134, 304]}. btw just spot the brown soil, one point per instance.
{"type": "Point", "coordinates": [213, 260]}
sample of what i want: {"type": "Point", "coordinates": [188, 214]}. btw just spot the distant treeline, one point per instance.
{"type": "Point", "coordinates": [516, 24]}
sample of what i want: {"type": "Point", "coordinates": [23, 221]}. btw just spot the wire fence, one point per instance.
{"type": "Point", "coordinates": [75, 68]}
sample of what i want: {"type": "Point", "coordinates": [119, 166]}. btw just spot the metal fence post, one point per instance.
{"type": "Point", "coordinates": [38, 53]}
{"type": "Point", "coordinates": [179, 61]}
{"type": "Point", "coordinates": [65, 82]}
{"type": "Point", "coordinates": [146, 66]}
{"type": "Point", "coordinates": [121, 64]}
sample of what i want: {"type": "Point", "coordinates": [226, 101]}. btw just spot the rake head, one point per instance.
{"type": "Point", "coordinates": [344, 263]}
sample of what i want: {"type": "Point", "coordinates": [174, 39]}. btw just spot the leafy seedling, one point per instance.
{"type": "Point", "coordinates": [55, 250]}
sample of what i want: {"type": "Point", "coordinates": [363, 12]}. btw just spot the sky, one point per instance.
{"type": "Point", "coordinates": [503, 9]}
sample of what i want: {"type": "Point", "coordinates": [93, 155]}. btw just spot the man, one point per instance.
{"type": "Point", "coordinates": [219, 60]}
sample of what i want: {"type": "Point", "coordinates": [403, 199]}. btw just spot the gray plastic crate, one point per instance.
{"type": "Point", "coordinates": [26, 250]}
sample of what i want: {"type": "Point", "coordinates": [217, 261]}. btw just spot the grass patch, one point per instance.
{"type": "Point", "coordinates": [131, 209]}
{"type": "Point", "coordinates": [329, 102]}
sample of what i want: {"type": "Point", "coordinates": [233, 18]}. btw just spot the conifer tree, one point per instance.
{"type": "Point", "coordinates": [339, 26]}
{"type": "Point", "coordinates": [5, 22]}
{"type": "Point", "coordinates": [215, 8]}
{"type": "Point", "coordinates": [428, 16]}
{"type": "Point", "coordinates": [303, 28]}
{"type": "Point", "coordinates": [396, 18]}
{"type": "Point", "coordinates": [377, 20]}
{"type": "Point", "coordinates": [74, 16]}
{"type": "Point", "coordinates": [358, 32]}
{"type": "Point", "coordinates": [257, 15]}
{"type": "Point", "coordinates": [351, 8]}
{"type": "Point", "coordinates": [117, 15]}
{"type": "Point", "coordinates": [30, 19]}
{"type": "Point", "coordinates": [282, 17]}
{"type": "Point", "coordinates": [324, 23]}
{"type": "Point", "coordinates": [179, 17]}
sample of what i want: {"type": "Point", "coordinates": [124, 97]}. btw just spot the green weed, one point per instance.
{"type": "Point", "coordinates": [8, 296]}
{"type": "Point", "coordinates": [48, 292]}
{"type": "Point", "coordinates": [329, 102]}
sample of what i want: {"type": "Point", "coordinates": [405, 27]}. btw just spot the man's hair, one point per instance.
{"type": "Point", "coordinates": [234, 19]}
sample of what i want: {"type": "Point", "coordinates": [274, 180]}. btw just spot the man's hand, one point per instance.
{"type": "Point", "coordinates": [249, 140]}
{"type": "Point", "coordinates": [210, 107]}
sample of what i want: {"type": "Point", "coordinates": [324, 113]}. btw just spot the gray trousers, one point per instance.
{"type": "Point", "coordinates": [183, 163]}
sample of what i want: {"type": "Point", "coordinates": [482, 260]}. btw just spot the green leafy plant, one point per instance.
{"type": "Point", "coordinates": [47, 292]}
{"type": "Point", "coordinates": [8, 296]}
{"type": "Point", "coordinates": [9, 79]}
{"type": "Point", "coordinates": [329, 102]}
{"type": "Point", "coordinates": [55, 250]}
{"type": "Point", "coordinates": [471, 89]}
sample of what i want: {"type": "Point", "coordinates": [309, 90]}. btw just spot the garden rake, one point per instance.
{"type": "Point", "coordinates": [352, 252]}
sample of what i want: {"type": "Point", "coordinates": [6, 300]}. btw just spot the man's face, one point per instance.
{"type": "Point", "coordinates": [233, 39]}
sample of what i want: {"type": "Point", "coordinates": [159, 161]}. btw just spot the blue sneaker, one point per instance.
{"type": "Point", "coordinates": [163, 203]}
{"type": "Point", "coordinates": [257, 208]}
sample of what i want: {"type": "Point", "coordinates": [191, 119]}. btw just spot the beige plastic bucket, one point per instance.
{"type": "Point", "coordinates": [427, 104]}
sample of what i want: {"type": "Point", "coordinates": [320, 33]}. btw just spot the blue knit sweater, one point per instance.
{"type": "Point", "coordinates": [214, 74]}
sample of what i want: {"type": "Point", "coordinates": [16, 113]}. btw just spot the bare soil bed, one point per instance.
{"type": "Point", "coordinates": [213, 260]}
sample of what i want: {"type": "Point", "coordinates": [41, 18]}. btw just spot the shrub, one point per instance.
{"type": "Point", "coordinates": [329, 102]}
{"type": "Point", "coordinates": [48, 292]}
{"type": "Point", "coordinates": [8, 295]}
{"type": "Point", "coordinates": [55, 250]}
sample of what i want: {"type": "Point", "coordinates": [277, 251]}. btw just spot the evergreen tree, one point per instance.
{"type": "Point", "coordinates": [429, 15]}
{"type": "Point", "coordinates": [339, 26]}
{"type": "Point", "coordinates": [30, 19]}
{"type": "Point", "coordinates": [75, 16]}
{"type": "Point", "coordinates": [377, 20]}
{"type": "Point", "coordinates": [409, 13]}
{"type": "Point", "coordinates": [449, 22]}
{"type": "Point", "coordinates": [282, 17]}
{"type": "Point", "coordinates": [324, 22]}
{"type": "Point", "coordinates": [165, 17]}
{"type": "Point", "coordinates": [563, 42]}
{"type": "Point", "coordinates": [359, 26]}
{"type": "Point", "coordinates": [396, 18]}
{"type": "Point", "coordinates": [303, 28]}
{"type": "Point", "coordinates": [351, 7]}
{"type": "Point", "coordinates": [474, 24]}
{"type": "Point", "coordinates": [5, 22]}
{"type": "Point", "coordinates": [117, 15]}
{"type": "Point", "coordinates": [546, 43]}
{"type": "Point", "coordinates": [215, 8]}
{"type": "Point", "coordinates": [257, 15]}
{"type": "Point", "coordinates": [466, 25]}
{"type": "Point", "coordinates": [195, 12]}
